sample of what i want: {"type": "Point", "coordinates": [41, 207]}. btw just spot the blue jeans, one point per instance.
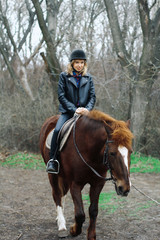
{"type": "Point", "coordinates": [54, 144]}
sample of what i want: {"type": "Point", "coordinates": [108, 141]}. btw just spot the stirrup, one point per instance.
{"type": "Point", "coordinates": [58, 167]}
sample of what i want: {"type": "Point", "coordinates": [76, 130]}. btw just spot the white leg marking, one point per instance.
{"type": "Point", "coordinates": [124, 152]}
{"type": "Point", "coordinates": [60, 219]}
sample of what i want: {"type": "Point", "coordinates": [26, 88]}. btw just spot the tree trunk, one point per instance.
{"type": "Point", "coordinates": [148, 71]}
{"type": "Point", "coordinates": [52, 61]}
{"type": "Point", "coordinates": [15, 66]}
{"type": "Point", "coordinates": [141, 81]}
{"type": "Point", "coordinates": [49, 34]}
{"type": "Point", "coordinates": [120, 49]}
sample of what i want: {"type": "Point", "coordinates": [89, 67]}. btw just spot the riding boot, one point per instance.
{"type": "Point", "coordinates": [53, 163]}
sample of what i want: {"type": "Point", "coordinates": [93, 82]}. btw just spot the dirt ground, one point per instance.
{"type": "Point", "coordinates": [27, 211]}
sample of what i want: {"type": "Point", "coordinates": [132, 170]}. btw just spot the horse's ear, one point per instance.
{"type": "Point", "coordinates": [109, 130]}
{"type": "Point", "coordinates": [128, 123]}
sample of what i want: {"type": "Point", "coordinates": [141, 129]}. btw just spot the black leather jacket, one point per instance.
{"type": "Point", "coordinates": [69, 94]}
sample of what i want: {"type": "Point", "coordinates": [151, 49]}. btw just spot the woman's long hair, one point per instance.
{"type": "Point", "coordinates": [70, 68]}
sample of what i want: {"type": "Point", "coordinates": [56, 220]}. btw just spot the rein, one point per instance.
{"type": "Point", "coordinates": [105, 156]}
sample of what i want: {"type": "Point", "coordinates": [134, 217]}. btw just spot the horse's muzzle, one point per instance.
{"type": "Point", "coordinates": [121, 191]}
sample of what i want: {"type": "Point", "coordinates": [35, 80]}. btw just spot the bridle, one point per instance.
{"type": "Point", "coordinates": [105, 156]}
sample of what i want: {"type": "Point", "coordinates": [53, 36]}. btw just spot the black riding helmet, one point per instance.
{"type": "Point", "coordinates": [78, 54]}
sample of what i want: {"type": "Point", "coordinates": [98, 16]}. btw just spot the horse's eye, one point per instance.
{"type": "Point", "coordinates": [131, 151]}
{"type": "Point", "coordinates": [113, 154]}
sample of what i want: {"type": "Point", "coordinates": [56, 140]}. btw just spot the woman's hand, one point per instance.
{"type": "Point", "coordinates": [82, 110]}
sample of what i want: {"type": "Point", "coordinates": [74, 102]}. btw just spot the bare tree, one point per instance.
{"type": "Point", "coordinates": [143, 76]}
{"type": "Point", "coordinates": [49, 33]}
{"type": "Point", "coordinates": [16, 66]}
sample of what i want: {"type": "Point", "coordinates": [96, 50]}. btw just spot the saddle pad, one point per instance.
{"type": "Point", "coordinates": [49, 138]}
{"type": "Point", "coordinates": [63, 134]}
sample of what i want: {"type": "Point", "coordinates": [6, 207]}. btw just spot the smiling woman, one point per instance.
{"type": "Point", "coordinates": [77, 57]}
{"type": "Point", "coordinates": [76, 94]}
{"type": "Point", "coordinates": [78, 65]}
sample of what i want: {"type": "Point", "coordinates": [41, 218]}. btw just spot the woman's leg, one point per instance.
{"type": "Point", "coordinates": [54, 145]}
{"type": "Point", "coordinates": [53, 164]}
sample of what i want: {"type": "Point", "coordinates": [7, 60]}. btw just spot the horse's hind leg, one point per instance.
{"type": "Point", "coordinates": [57, 194]}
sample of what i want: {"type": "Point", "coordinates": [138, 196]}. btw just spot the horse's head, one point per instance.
{"type": "Point", "coordinates": [119, 152]}
{"type": "Point", "coordinates": [119, 163]}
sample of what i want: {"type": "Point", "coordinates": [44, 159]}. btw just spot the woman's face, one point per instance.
{"type": "Point", "coordinates": [78, 65]}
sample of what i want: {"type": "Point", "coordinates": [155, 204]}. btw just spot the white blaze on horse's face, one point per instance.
{"type": "Point", "coordinates": [124, 152]}
{"type": "Point", "coordinates": [60, 219]}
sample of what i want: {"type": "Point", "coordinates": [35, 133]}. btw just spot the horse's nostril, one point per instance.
{"type": "Point", "coordinates": [120, 189]}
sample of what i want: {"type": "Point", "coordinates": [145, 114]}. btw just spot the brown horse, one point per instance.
{"type": "Point", "coordinates": [96, 144]}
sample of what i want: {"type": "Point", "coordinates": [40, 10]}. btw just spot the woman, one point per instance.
{"type": "Point", "coordinates": [76, 94]}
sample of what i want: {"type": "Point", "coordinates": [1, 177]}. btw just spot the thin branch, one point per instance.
{"type": "Point", "coordinates": [119, 43]}
{"type": "Point", "coordinates": [28, 30]}
{"type": "Point", "coordinates": [6, 24]}
{"type": "Point", "coordinates": [156, 22]}
{"type": "Point", "coordinates": [34, 53]}
{"type": "Point", "coordinates": [154, 3]}
{"type": "Point", "coordinates": [10, 69]}
{"type": "Point", "coordinates": [144, 17]}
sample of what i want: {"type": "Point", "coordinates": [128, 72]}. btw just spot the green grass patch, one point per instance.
{"type": "Point", "coordinates": [112, 203]}
{"type": "Point", "coordinates": [139, 162]}
{"type": "Point", "coordinates": [24, 160]}
{"type": "Point", "coordinates": [144, 164]}
{"type": "Point", "coordinates": [139, 208]}
{"type": "Point", "coordinates": [109, 201]}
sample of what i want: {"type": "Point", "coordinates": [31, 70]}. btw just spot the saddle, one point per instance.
{"type": "Point", "coordinates": [63, 133]}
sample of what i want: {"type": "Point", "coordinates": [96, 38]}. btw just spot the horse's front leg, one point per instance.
{"type": "Point", "coordinates": [93, 210]}
{"type": "Point", "coordinates": [76, 228]}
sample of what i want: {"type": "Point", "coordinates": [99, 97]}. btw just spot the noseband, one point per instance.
{"type": "Point", "coordinates": [105, 156]}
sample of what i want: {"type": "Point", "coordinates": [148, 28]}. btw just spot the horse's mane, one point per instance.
{"type": "Point", "coordinates": [121, 133]}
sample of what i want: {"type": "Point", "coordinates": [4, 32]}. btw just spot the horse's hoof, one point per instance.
{"type": "Point", "coordinates": [74, 231]}
{"type": "Point", "coordinates": [62, 233]}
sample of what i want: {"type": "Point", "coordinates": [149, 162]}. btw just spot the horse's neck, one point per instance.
{"type": "Point", "coordinates": [93, 137]}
